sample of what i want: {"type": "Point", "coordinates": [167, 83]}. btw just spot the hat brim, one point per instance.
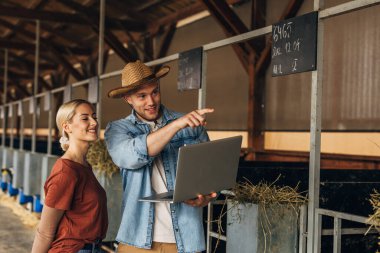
{"type": "Point", "coordinates": [121, 91]}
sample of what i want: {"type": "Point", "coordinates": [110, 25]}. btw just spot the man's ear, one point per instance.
{"type": "Point", "coordinates": [128, 100]}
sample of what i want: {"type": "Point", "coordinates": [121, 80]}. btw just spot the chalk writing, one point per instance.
{"type": "Point", "coordinates": [294, 45]}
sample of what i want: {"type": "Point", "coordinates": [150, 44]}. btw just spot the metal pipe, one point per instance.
{"type": "Point", "coordinates": [35, 85]}
{"type": "Point", "coordinates": [21, 114]}
{"type": "Point", "coordinates": [100, 61]}
{"type": "Point", "coordinates": [203, 90]}
{"type": "Point", "coordinates": [4, 96]}
{"type": "Point", "coordinates": [11, 127]}
{"type": "Point", "coordinates": [50, 123]}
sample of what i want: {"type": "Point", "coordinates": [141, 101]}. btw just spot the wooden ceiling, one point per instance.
{"type": "Point", "coordinates": [69, 35]}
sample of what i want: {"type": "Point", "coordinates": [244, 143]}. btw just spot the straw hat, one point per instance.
{"type": "Point", "coordinates": [134, 75]}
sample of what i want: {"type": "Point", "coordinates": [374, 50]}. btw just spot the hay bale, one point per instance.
{"type": "Point", "coordinates": [265, 194]}
{"type": "Point", "coordinates": [100, 159]}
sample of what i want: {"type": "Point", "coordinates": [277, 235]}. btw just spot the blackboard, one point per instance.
{"type": "Point", "coordinates": [294, 45]}
{"type": "Point", "coordinates": [190, 69]}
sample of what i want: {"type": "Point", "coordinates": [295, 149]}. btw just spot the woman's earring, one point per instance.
{"type": "Point", "coordinates": [64, 140]}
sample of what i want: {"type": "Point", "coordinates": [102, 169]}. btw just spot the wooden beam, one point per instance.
{"type": "Point", "coordinates": [328, 161]}
{"type": "Point", "coordinates": [230, 21]}
{"type": "Point", "coordinates": [193, 9]}
{"type": "Point", "coordinates": [125, 6]}
{"type": "Point", "coordinates": [29, 66]}
{"type": "Point", "coordinates": [16, 45]}
{"type": "Point", "coordinates": [45, 42]}
{"type": "Point", "coordinates": [167, 40]}
{"type": "Point", "coordinates": [148, 4]}
{"type": "Point", "coordinates": [61, 17]}
{"type": "Point", "coordinates": [148, 48]}
{"type": "Point", "coordinates": [46, 16]}
{"type": "Point", "coordinates": [66, 64]}
{"type": "Point", "coordinates": [16, 84]}
{"type": "Point", "coordinates": [109, 38]}
{"type": "Point", "coordinates": [17, 60]}
{"type": "Point", "coordinates": [256, 89]}
{"type": "Point", "coordinates": [240, 50]}
{"type": "Point", "coordinates": [30, 48]}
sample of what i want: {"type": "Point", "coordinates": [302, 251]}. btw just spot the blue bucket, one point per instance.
{"type": "Point", "coordinates": [12, 191]}
{"type": "Point", "coordinates": [37, 206]}
{"type": "Point", "coordinates": [4, 186]}
{"type": "Point", "coordinates": [23, 199]}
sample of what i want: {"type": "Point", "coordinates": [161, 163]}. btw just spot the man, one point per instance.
{"type": "Point", "coordinates": [145, 146]}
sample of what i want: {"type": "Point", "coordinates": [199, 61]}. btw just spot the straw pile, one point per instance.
{"type": "Point", "coordinates": [375, 202]}
{"type": "Point", "coordinates": [266, 194]}
{"type": "Point", "coordinates": [27, 218]}
{"type": "Point", "coordinates": [100, 159]}
{"type": "Point", "coordinates": [375, 217]}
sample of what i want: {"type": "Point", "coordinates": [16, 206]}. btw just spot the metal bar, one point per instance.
{"type": "Point", "coordinates": [21, 127]}
{"type": "Point", "coordinates": [317, 235]}
{"type": "Point", "coordinates": [35, 85]}
{"type": "Point", "coordinates": [344, 216]}
{"type": "Point", "coordinates": [209, 227]}
{"type": "Point", "coordinates": [216, 235]}
{"type": "Point", "coordinates": [315, 142]}
{"type": "Point", "coordinates": [100, 61]}
{"type": "Point", "coordinates": [203, 90]}
{"type": "Point", "coordinates": [303, 229]}
{"type": "Point", "coordinates": [346, 7]}
{"type": "Point", "coordinates": [3, 136]}
{"type": "Point", "coordinates": [50, 126]}
{"type": "Point", "coordinates": [337, 235]}
{"type": "Point", "coordinates": [350, 231]}
{"type": "Point", "coordinates": [11, 127]}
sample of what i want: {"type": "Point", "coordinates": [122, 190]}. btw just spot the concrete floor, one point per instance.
{"type": "Point", "coordinates": [17, 226]}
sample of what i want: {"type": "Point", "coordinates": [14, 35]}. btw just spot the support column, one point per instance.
{"type": "Point", "coordinates": [314, 222]}
{"type": "Point", "coordinates": [35, 85]}
{"type": "Point", "coordinates": [100, 61]}
{"type": "Point", "coordinates": [5, 97]}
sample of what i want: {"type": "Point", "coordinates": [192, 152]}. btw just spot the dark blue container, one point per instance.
{"type": "Point", "coordinates": [12, 191]}
{"type": "Point", "coordinates": [4, 186]}
{"type": "Point", "coordinates": [37, 206]}
{"type": "Point", "coordinates": [23, 199]}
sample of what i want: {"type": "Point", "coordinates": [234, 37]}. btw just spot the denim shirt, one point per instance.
{"type": "Point", "coordinates": [126, 143]}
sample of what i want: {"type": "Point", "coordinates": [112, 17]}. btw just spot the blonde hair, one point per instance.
{"type": "Point", "coordinates": [65, 114]}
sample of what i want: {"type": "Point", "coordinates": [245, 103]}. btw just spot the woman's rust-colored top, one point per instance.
{"type": "Point", "coordinates": [74, 188]}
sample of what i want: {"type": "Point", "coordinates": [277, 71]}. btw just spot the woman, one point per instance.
{"type": "Point", "coordinates": [74, 217]}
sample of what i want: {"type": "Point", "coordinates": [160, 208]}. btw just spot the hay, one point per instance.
{"type": "Point", "coordinates": [374, 219]}
{"type": "Point", "coordinates": [27, 218]}
{"type": "Point", "coordinates": [375, 202]}
{"type": "Point", "coordinates": [265, 194]}
{"type": "Point", "coordinates": [100, 159]}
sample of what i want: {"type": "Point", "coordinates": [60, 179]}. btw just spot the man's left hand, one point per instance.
{"type": "Point", "coordinates": [201, 200]}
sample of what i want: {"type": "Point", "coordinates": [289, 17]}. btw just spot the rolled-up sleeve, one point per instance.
{"type": "Point", "coordinates": [127, 151]}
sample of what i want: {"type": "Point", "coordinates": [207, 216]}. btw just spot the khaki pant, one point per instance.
{"type": "Point", "coordinates": [157, 247]}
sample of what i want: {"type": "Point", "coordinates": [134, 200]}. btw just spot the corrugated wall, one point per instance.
{"type": "Point", "coordinates": [351, 79]}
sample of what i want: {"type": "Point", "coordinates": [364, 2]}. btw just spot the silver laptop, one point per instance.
{"type": "Point", "coordinates": [202, 169]}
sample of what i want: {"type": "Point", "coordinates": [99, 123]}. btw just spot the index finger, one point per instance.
{"type": "Point", "coordinates": [204, 111]}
